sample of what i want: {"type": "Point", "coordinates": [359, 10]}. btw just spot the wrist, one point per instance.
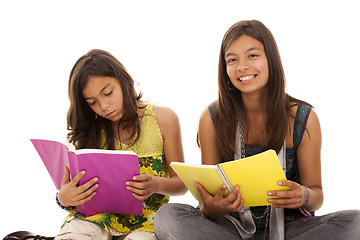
{"type": "Point", "coordinates": [209, 213]}
{"type": "Point", "coordinates": [155, 184]}
{"type": "Point", "coordinates": [306, 196]}
{"type": "Point", "coordinates": [66, 207]}
{"type": "Point", "coordinates": [60, 199]}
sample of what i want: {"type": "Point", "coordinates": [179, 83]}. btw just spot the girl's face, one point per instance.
{"type": "Point", "coordinates": [104, 96]}
{"type": "Point", "coordinates": [246, 65]}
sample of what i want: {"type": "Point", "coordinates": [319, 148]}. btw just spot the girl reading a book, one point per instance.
{"type": "Point", "coordinates": [252, 114]}
{"type": "Point", "coordinates": [106, 112]}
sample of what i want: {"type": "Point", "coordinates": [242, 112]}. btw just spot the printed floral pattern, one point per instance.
{"type": "Point", "coordinates": [150, 149]}
{"type": "Point", "coordinates": [122, 223]}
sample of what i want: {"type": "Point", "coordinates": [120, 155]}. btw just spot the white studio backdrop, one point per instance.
{"type": "Point", "coordinates": [171, 48]}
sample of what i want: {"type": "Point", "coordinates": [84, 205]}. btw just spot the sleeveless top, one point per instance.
{"type": "Point", "coordinates": [292, 170]}
{"type": "Point", "coordinates": [150, 150]}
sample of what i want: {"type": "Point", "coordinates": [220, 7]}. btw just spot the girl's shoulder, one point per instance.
{"type": "Point", "coordinates": [207, 118]}
{"type": "Point", "coordinates": [165, 116]}
{"type": "Point", "coordinates": [163, 112]}
{"type": "Point", "coordinates": [303, 119]}
{"type": "Point", "coordinates": [298, 106]}
{"type": "Point", "coordinates": [208, 115]}
{"type": "Point", "coordinates": [155, 110]}
{"type": "Point", "coordinates": [300, 112]}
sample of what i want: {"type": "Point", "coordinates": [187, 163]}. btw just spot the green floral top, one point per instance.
{"type": "Point", "coordinates": [150, 149]}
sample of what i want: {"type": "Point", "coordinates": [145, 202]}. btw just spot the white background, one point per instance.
{"type": "Point", "coordinates": [171, 48]}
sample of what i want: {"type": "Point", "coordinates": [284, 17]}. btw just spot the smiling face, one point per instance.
{"type": "Point", "coordinates": [246, 65]}
{"type": "Point", "coordinates": [104, 96]}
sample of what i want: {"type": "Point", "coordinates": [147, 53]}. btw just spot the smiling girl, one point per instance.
{"type": "Point", "coordinates": [107, 113]}
{"type": "Point", "coordinates": [252, 114]}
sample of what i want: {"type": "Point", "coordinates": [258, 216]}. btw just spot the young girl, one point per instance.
{"type": "Point", "coordinates": [106, 112]}
{"type": "Point", "coordinates": [254, 114]}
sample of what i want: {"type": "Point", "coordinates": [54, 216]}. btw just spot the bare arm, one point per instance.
{"type": "Point", "coordinates": [218, 205]}
{"type": "Point", "coordinates": [309, 163]}
{"type": "Point", "coordinates": [207, 138]}
{"type": "Point", "coordinates": [170, 130]}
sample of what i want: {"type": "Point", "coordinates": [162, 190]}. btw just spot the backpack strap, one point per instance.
{"type": "Point", "coordinates": [301, 118]}
{"type": "Point", "coordinates": [212, 110]}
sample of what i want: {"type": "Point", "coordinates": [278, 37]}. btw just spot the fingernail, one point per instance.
{"type": "Point", "coordinates": [96, 179]}
{"type": "Point", "coordinates": [270, 200]}
{"type": "Point", "coordinates": [270, 194]}
{"type": "Point", "coordinates": [134, 178]}
{"type": "Point", "coordinates": [82, 172]}
{"type": "Point", "coordinates": [237, 188]}
{"type": "Point", "coordinates": [127, 183]}
{"type": "Point", "coordinates": [280, 183]}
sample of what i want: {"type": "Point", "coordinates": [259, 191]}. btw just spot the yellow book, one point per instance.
{"type": "Point", "coordinates": [256, 176]}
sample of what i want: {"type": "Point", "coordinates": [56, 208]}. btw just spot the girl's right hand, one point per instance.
{"type": "Point", "coordinates": [72, 195]}
{"type": "Point", "coordinates": [216, 206]}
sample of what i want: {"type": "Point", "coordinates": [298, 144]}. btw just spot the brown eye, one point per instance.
{"type": "Point", "coordinates": [230, 60]}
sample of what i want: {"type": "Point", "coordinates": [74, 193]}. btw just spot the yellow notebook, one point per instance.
{"type": "Point", "coordinates": [256, 176]}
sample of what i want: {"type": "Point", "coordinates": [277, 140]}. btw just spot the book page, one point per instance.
{"type": "Point", "coordinates": [112, 167]}
{"type": "Point", "coordinates": [69, 146]}
{"type": "Point", "coordinates": [206, 175]}
{"type": "Point", "coordinates": [112, 170]}
{"type": "Point", "coordinates": [256, 175]}
{"type": "Point", "coordinates": [102, 151]}
{"type": "Point", "coordinates": [54, 156]}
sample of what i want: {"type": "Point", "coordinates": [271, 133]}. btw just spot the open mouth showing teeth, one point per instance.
{"type": "Point", "coordinates": [243, 79]}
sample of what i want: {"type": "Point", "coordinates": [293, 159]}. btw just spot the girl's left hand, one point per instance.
{"type": "Point", "coordinates": [143, 186]}
{"type": "Point", "coordinates": [293, 198]}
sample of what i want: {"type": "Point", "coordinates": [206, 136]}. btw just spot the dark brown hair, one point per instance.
{"type": "Point", "coordinates": [230, 108]}
{"type": "Point", "coordinates": [82, 122]}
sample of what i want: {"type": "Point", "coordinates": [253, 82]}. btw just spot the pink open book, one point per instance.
{"type": "Point", "coordinates": [112, 167]}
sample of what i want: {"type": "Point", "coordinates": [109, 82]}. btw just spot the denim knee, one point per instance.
{"type": "Point", "coordinates": [354, 217]}
{"type": "Point", "coordinates": [163, 216]}
{"type": "Point", "coordinates": [165, 221]}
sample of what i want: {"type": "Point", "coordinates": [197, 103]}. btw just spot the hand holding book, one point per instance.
{"type": "Point", "coordinates": [110, 168]}
{"type": "Point", "coordinates": [218, 205]}
{"type": "Point", "coordinates": [143, 186]}
{"type": "Point", "coordinates": [71, 194]}
{"type": "Point", "coordinates": [255, 175]}
{"type": "Point", "coordinates": [296, 197]}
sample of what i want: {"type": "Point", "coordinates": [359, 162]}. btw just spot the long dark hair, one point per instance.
{"type": "Point", "coordinates": [84, 125]}
{"type": "Point", "coordinates": [230, 108]}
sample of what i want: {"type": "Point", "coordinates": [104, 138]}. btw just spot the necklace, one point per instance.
{"type": "Point", "coordinates": [266, 213]}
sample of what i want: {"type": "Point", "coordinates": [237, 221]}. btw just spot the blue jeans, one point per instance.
{"type": "Point", "coordinates": [180, 221]}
